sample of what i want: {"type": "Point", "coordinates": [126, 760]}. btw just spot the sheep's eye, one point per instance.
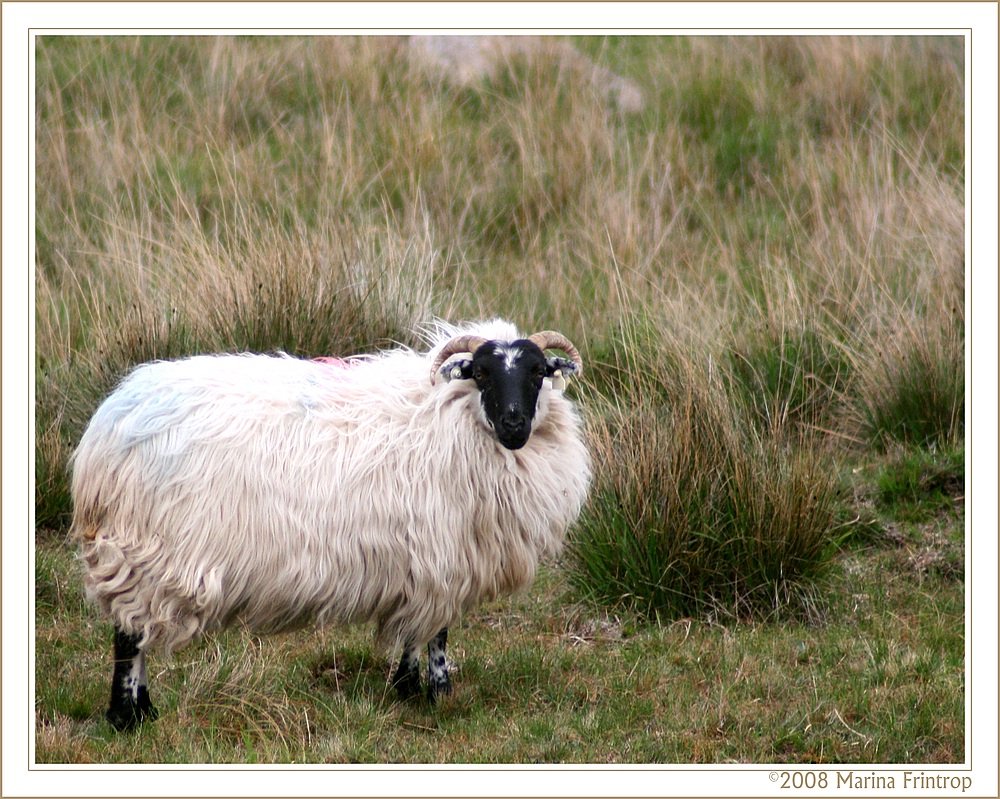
{"type": "Point", "coordinates": [479, 374]}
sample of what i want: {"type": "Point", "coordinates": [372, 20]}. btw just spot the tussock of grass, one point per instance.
{"type": "Point", "coordinates": [913, 389]}
{"type": "Point", "coordinates": [692, 511]}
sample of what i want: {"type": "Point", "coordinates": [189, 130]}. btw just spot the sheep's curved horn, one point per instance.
{"type": "Point", "coordinates": [551, 340]}
{"type": "Point", "coordinates": [457, 344]}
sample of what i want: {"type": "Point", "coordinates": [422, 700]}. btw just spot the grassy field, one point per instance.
{"type": "Point", "coordinates": [763, 268]}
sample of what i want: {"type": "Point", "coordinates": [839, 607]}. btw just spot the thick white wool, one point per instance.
{"type": "Point", "coordinates": [280, 491]}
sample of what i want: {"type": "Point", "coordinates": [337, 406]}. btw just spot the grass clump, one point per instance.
{"type": "Point", "coordinates": [912, 389]}
{"type": "Point", "coordinates": [693, 512]}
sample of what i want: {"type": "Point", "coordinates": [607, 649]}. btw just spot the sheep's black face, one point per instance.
{"type": "Point", "coordinates": [509, 377]}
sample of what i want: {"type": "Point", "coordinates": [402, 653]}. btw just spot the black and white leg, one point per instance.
{"type": "Point", "coordinates": [438, 683]}
{"type": "Point", "coordinates": [130, 704]}
{"type": "Point", "coordinates": [407, 676]}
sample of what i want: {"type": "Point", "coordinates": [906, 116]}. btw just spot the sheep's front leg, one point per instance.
{"type": "Point", "coordinates": [130, 704]}
{"type": "Point", "coordinates": [437, 667]}
{"type": "Point", "coordinates": [407, 676]}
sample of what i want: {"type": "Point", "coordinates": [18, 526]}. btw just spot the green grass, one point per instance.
{"type": "Point", "coordinates": [763, 268]}
{"type": "Point", "coordinates": [917, 485]}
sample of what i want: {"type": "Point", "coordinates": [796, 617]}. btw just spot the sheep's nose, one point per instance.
{"type": "Point", "coordinates": [513, 421]}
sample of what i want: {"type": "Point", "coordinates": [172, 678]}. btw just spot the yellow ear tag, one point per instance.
{"type": "Point", "coordinates": [558, 381]}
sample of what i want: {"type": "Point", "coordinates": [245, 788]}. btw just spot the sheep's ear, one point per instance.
{"type": "Point", "coordinates": [457, 370]}
{"type": "Point", "coordinates": [559, 369]}
{"type": "Point", "coordinates": [564, 366]}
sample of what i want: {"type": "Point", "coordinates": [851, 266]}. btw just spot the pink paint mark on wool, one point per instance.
{"type": "Point", "coordinates": [336, 363]}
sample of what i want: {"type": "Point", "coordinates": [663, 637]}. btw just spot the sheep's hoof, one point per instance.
{"type": "Point", "coordinates": [126, 713]}
{"type": "Point", "coordinates": [407, 684]}
{"type": "Point", "coordinates": [438, 685]}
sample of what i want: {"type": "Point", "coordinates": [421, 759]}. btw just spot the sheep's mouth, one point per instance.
{"type": "Point", "coordinates": [514, 440]}
{"type": "Point", "coordinates": [510, 438]}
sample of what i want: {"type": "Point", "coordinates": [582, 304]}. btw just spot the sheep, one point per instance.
{"type": "Point", "coordinates": [276, 491]}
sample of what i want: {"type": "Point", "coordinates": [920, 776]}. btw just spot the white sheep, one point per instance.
{"type": "Point", "coordinates": [276, 491]}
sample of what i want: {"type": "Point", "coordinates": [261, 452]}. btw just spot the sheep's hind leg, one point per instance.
{"type": "Point", "coordinates": [407, 676]}
{"type": "Point", "coordinates": [130, 704]}
{"type": "Point", "coordinates": [438, 683]}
